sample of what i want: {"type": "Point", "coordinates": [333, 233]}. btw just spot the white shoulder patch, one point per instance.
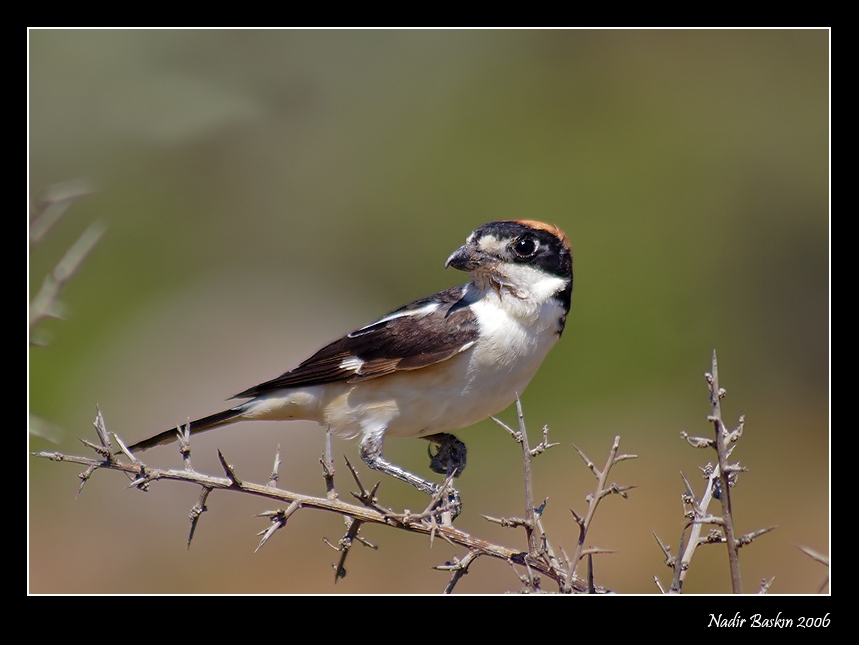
{"type": "Point", "coordinates": [420, 312]}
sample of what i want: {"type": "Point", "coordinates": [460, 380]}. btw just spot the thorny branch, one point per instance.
{"type": "Point", "coordinates": [720, 479]}
{"type": "Point", "coordinates": [539, 560]}
{"type": "Point", "coordinates": [46, 213]}
{"type": "Point", "coordinates": [603, 489]}
{"type": "Point", "coordinates": [538, 543]}
{"type": "Point", "coordinates": [528, 455]}
{"type": "Point", "coordinates": [723, 439]}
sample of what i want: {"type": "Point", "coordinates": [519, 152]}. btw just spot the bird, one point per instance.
{"type": "Point", "coordinates": [434, 366]}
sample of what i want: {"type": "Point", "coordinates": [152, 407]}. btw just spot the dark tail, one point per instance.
{"type": "Point", "coordinates": [200, 425]}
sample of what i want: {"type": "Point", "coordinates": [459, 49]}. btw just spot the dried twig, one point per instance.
{"type": "Point", "coordinates": [602, 490]}
{"type": "Point", "coordinates": [49, 210]}
{"type": "Point", "coordinates": [458, 567]}
{"type": "Point", "coordinates": [720, 479]}
{"type": "Point", "coordinates": [538, 544]}
{"type": "Point", "coordinates": [723, 439]}
{"type": "Point", "coordinates": [540, 563]}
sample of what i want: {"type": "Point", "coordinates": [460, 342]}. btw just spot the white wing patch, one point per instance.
{"type": "Point", "coordinates": [351, 364]}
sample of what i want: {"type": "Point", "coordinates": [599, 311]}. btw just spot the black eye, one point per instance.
{"type": "Point", "coordinates": [525, 246]}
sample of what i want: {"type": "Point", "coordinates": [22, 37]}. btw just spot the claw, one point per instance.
{"type": "Point", "coordinates": [451, 455]}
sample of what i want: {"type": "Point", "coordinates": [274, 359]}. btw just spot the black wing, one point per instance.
{"type": "Point", "coordinates": [427, 331]}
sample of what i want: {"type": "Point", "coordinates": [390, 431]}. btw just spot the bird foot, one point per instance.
{"type": "Point", "coordinates": [451, 455]}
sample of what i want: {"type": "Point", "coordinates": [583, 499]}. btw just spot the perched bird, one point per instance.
{"type": "Point", "coordinates": [436, 365]}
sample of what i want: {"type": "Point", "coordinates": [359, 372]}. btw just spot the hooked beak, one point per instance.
{"type": "Point", "coordinates": [464, 259]}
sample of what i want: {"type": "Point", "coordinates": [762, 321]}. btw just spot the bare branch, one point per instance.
{"type": "Point", "coordinates": [539, 563]}
{"type": "Point", "coordinates": [716, 395]}
{"type": "Point", "coordinates": [275, 476]}
{"type": "Point", "coordinates": [602, 490]}
{"type": "Point", "coordinates": [44, 305]}
{"type": "Point", "coordinates": [52, 205]}
{"type": "Point", "coordinates": [720, 479]}
{"type": "Point", "coordinates": [459, 568]}
{"type": "Point", "coordinates": [538, 543]}
{"type": "Point", "coordinates": [327, 462]}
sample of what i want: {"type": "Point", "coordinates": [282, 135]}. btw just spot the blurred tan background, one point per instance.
{"type": "Point", "coordinates": [265, 192]}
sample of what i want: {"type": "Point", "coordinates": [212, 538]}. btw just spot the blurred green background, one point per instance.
{"type": "Point", "coordinates": [265, 192]}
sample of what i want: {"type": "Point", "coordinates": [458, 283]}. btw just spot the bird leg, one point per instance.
{"type": "Point", "coordinates": [450, 456]}
{"type": "Point", "coordinates": [371, 453]}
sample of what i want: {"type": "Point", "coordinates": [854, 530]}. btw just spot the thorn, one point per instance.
{"type": "Point", "coordinates": [228, 470]}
